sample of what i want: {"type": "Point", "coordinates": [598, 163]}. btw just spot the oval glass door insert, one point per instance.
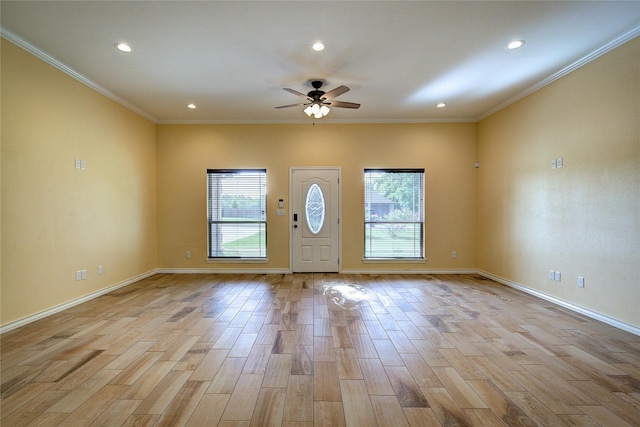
{"type": "Point", "coordinates": [314, 208]}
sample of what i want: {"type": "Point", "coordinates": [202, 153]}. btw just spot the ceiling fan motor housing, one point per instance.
{"type": "Point", "coordinates": [317, 93]}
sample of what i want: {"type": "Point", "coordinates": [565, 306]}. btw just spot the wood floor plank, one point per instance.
{"type": "Point", "coordinates": [326, 385]}
{"type": "Point", "coordinates": [116, 413]}
{"type": "Point", "coordinates": [375, 377]}
{"type": "Point", "coordinates": [445, 408]}
{"type": "Point", "coordinates": [209, 410]}
{"type": "Point", "coordinates": [225, 380]}
{"type": "Point", "coordinates": [347, 363]}
{"type": "Point", "coordinates": [78, 396]}
{"type": "Point", "coordinates": [299, 399]}
{"type": "Point", "coordinates": [278, 371]}
{"type": "Point", "coordinates": [183, 404]}
{"type": "Point", "coordinates": [406, 390]}
{"type": "Point", "coordinates": [388, 412]}
{"type": "Point", "coordinates": [357, 405]}
{"type": "Point", "coordinates": [244, 397]}
{"type": "Point", "coordinates": [269, 410]}
{"type": "Point", "coordinates": [95, 406]}
{"type": "Point", "coordinates": [420, 371]}
{"type": "Point", "coordinates": [421, 417]}
{"type": "Point", "coordinates": [158, 400]}
{"type": "Point", "coordinates": [460, 390]}
{"type": "Point", "coordinates": [505, 409]}
{"type": "Point", "coordinates": [328, 414]}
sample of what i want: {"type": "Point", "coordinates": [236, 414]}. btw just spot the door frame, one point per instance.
{"type": "Point", "coordinates": [291, 208]}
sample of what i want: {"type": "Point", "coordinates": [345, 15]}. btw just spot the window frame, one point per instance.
{"type": "Point", "coordinates": [369, 223]}
{"type": "Point", "coordinates": [213, 254]}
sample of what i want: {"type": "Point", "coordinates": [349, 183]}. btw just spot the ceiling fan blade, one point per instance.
{"type": "Point", "coordinates": [292, 105]}
{"type": "Point", "coordinates": [333, 93]}
{"type": "Point", "coordinates": [295, 92]}
{"type": "Point", "coordinates": [343, 104]}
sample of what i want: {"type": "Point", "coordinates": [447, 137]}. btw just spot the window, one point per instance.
{"type": "Point", "coordinates": [394, 213]}
{"type": "Point", "coordinates": [236, 213]}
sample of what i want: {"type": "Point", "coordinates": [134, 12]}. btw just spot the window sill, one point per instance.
{"type": "Point", "coordinates": [394, 260]}
{"type": "Point", "coordinates": [237, 260]}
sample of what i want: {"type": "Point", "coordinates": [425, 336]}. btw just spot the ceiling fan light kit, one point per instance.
{"type": "Point", "coordinates": [319, 101]}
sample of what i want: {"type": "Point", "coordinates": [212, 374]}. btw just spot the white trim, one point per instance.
{"type": "Point", "coordinates": [422, 271]}
{"type": "Point", "coordinates": [44, 56]}
{"type": "Point", "coordinates": [58, 308]}
{"type": "Point", "coordinates": [237, 260]}
{"type": "Point", "coordinates": [584, 311]}
{"type": "Point", "coordinates": [223, 271]}
{"type": "Point", "coordinates": [394, 260]}
{"type": "Point", "coordinates": [619, 41]}
{"type": "Point", "coordinates": [304, 121]}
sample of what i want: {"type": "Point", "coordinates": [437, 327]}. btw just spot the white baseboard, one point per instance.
{"type": "Point", "coordinates": [58, 308]}
{"type": "Point", "coordinates": [223, 271]}
{"type": "Point", "coordinates": [421, 271]}
{"type": "Point", "coordinates": [589, 313]}
{"type": "Point", "coordinates": [287, 271]}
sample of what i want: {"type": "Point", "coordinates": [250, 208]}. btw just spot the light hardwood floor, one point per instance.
{"type": "Point", "coordinates": [258, 350]}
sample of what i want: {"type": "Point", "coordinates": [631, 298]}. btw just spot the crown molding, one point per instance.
{"type": "Point", "coordinates": [619, 41]}
{"type": "Point", "coordinates": [44, 56]}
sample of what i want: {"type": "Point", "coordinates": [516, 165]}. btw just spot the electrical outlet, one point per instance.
{"type": "Point", "coordinates": [552, 275]}
{"type": "Point", "coordinates": [454, 255]}
{"type": "Point", "coordinates": [553, 164]}
{"type": "Point", "coordinates": [580, 282]}
{"type": "Point", "coordinates": [99, 270]}
{"type": "Point", "coordinates": [559, 162]}
{"type": "Point", "coordinates": [78, 275]}
{"type": "Point", "coordinates": [188, 254]}
{"type": "Point", "coordinates": [557, 276]}
{"type": "Point", "coordinates": [84, 274]}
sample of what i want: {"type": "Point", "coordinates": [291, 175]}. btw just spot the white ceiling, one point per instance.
{"type": "Point", "coordinates": [400, 59]}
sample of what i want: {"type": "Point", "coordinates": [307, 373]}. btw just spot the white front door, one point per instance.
{"type": "Point", "coordinates": [315, 219]}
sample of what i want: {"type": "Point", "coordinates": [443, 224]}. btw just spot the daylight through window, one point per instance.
{"type": "Point", "coordinates": [394, 213]}
{"type": "Point", "coordinates": [236, 213]}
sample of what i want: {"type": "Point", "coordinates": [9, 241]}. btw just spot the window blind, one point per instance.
{"type": "Point", "coordinates": [236, 213]}
{"type": "Point", "coordinates": [394, 213]}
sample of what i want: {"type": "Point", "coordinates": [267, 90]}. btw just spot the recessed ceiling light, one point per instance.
{"type": "Point", "coordinates": [191, 106]}
{"type": "Point", "coordinates": [515, 44]}
{"type": "Point", "coordinates": [318, 46]}
{"type": "Point", "coordinates": [441, 105]}
{"type": "Point", "coordinates": [123, 47]}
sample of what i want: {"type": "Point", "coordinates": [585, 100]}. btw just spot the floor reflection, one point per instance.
{"type": "Point", "coordinates": [347, 296]}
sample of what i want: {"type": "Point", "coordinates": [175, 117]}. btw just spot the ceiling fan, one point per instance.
{"type": "Point", "coordinates": [319, 101]}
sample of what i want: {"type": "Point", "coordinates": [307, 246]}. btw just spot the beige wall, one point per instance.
{"type": "Point", "coordinates": [446, 151]}
{"type": "Point", "coordinates": [582, 219]}
{"type": "Point", "coordinates": [57, 219]}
